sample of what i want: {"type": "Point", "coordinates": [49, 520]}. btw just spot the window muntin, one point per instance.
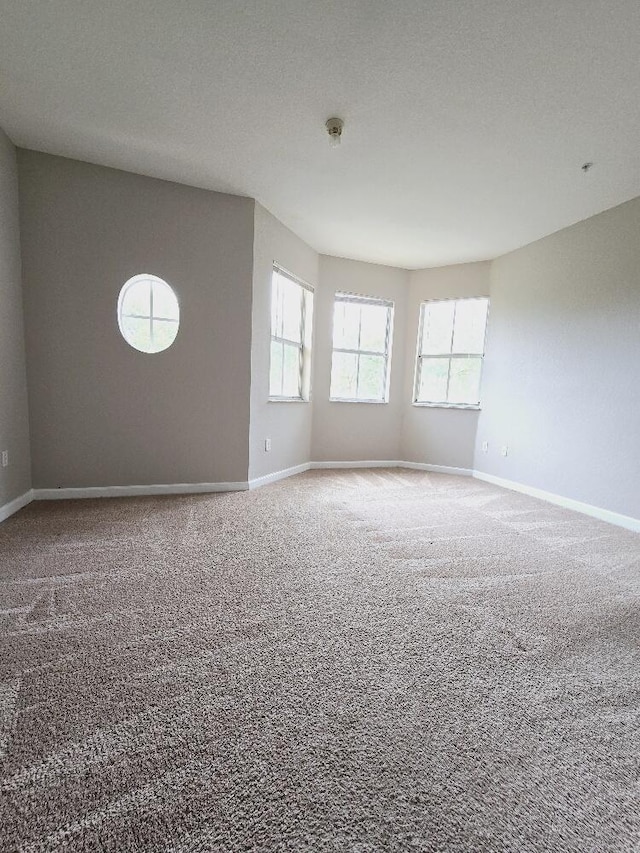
{"type": "Point", "coordinates": [362, 328]}
{"type": "Point", "coordinates": [148, 313]}
{"type": "Point", "coordinates": [451, 352]}
{"type": "Point", "coordinates": [291, 322]}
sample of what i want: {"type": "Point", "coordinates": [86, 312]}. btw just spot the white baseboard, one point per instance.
{"type": "Point", "coordinates": [578, 506]}
{"type": "Point", "coordinates": [363, 463]}
{"type": "Point", "coordinates": [136, 491]}
{"type": "Point", "coordinates": [395, 463]}
{"type": "Point", "coordinates": [278, 475]}
{"type": "Point", "coordinates": [568, 503]}
{"type": "Point", "coordinates": [437, 469]}
{"type": "Point", "coordinates": [17, 503]}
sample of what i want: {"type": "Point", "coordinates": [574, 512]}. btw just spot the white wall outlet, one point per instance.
{"type": "Point", "coordinates": [267, 445]}
{"type": "Point", "coordinates": [504, 450]}
{"type": "Point", "coordinates": [5, 458]}
{"type": "Point", "coordinates": [485, 446]}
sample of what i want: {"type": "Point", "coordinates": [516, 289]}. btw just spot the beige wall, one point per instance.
{"type": "Point", "coordinates": [101, 412]}
{"type": "Point", "coordinates": [438, 436]}
{"type": "Point", "coordinates": [561, 385]}
{"type": "Point", "coordinates": [287, 424]}
{"type": "Point", "coordinates": [15, 479]}
{"type": "Point", "coordinates": [357, 431]}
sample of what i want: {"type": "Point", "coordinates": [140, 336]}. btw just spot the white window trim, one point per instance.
{"type": "Point", "coordinates": [474, 407]}
{"type": "Point", "coordinates": [304, 345]}
{"type": "Point", "coordinates": [428, 404]}
{"type": "Point", "coordinates": [341, 296]}
{"type": "Point", "coordinates": [151, 317]}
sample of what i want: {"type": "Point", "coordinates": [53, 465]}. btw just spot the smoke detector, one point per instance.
{"type": "Point", "coordinates": [334, 129]}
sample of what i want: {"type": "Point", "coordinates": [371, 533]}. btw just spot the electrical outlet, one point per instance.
{"type": "Point", "coordinates": [5, 458]}
{"type": "Point", "coordinates": [504, 450]}
{"type": "Point", "coordinates": [267, 445]}
{"type": "Point", "coordinates": [485, 446]}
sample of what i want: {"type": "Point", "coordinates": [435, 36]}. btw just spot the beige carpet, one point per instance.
{"type": "Point", "coordinates": [354, 661]}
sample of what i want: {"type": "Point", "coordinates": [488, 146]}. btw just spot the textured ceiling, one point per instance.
{"type": "Point", "coordinates": [466, 123]}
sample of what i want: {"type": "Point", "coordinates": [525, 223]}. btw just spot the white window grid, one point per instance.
{"type": "Point", "coordinates": [301, 345]}
{"type": "Point", "coordinates": [151, 316]}
{"type": "Point", "coordinates": [450, 355]}
{"type": "Point", "coordinates": [368, 300]}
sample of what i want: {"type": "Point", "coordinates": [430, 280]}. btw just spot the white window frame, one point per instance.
{"type": "Point", "coordinates": [450, 355]}
{"type": "Point", "coordinates": [365, 300]}
{"type": "Point", "coordinates": [151, 316]}
{"type": "Point", "coordinates": [303, 346]}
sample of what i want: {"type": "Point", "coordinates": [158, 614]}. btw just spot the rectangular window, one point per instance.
{"type": "Point", "coordinates": [291, 324]}
{"type": "Point", "coordinates": [450, 352]}
{"type": "Point", "coordinates": [362, 330]}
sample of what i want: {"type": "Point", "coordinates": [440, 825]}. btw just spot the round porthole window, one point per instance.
{"type": "Point", "coordinates": [148, 313]}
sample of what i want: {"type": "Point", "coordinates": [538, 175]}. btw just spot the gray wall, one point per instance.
{"type": "Point", "coordinates": [287, 424]}
{"type": "Point", "coordinates": [101, 412]}
{"type": "Point", "coordinates": [357, 431]}
{"type": "Point", "coordinates": [438, 436]}
{"type": "Point", "coordinates": [15, 479]}
{"type": "Point", "coordinates": [559, 388]}
{"type": "Point", "coordinates": [561, 385]}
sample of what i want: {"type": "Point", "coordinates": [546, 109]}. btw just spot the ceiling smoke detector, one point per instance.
{"type": "Point", "coordinates": [334, 129]}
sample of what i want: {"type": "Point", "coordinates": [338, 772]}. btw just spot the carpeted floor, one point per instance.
{"type": "Point", "coordinates": [356, 661]}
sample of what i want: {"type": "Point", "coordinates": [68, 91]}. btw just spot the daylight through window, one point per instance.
{"type": "Point", "coordinates": [362, 329]}
{"type": "Point", "coordinates": [291, 323]}
{"type": "Point", "coordinates": [148, 313]}
{"type": "Point", "coordinates": [450, 352]}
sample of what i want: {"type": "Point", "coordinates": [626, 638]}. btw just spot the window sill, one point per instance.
{"type": "Point", "coordinates": [287, 400]}
{"type": "Point", "coordinates": [374, 402]}
{"type": "Point", "coordinates": [463, 406]}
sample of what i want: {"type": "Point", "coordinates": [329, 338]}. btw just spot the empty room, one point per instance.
{"type": "Point", "coordinates": [319, 426]}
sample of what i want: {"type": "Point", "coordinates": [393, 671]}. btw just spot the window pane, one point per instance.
{"type": "Point", "coordinates": [373, 329]}
{"type": "Point", "coordinates": [464, 382]}
{"type": "Point", "coordinates": [344, 376]}
{"type": "Point", "coordinates": [291, 371]}
{"type": "Point", "coordinates": [371, 377]}
{"type": "Point", "coordinates": [433, 380]}
{"type": "Point", "coordinates": [437, 327]}
{"type": "Point", "coordinates": [137, 333]}
{"type": "Point", "coordinates": [165, 304]}
{"type": "Point", "coordinates": [291, 310]}
{"type": "Point", "coordinates": [275, 370]}
{"type": "Point", "coordinates": [471, 319]}
{"type": "Point", "coordinates": [346, 325]}
{"type": "Point", "coordinates": [137, 299]}
{"type": "Point", "coordinates": [164, 334]}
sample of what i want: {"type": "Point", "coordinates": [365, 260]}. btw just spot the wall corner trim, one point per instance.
{"type": "Point", "coordinates": [607, 515]}
{"type": "Point", "coordinates": [17, 503]}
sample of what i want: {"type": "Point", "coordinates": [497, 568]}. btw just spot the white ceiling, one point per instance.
{"type": "Point", "coordinates": [466, 121]}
